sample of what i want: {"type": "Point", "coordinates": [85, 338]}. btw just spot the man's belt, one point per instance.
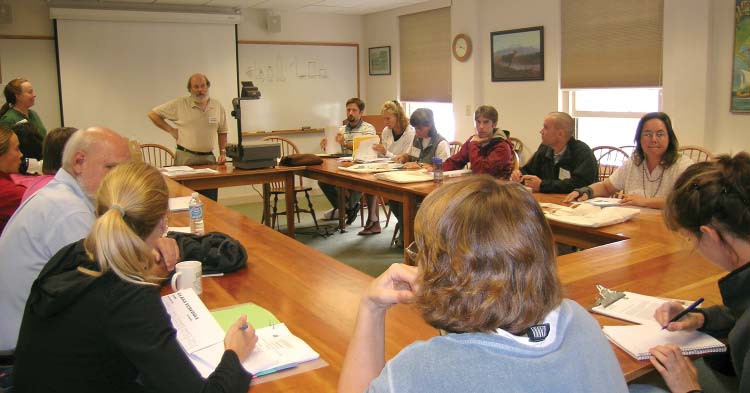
{"type": "Point", "coordinates": [197, 153]}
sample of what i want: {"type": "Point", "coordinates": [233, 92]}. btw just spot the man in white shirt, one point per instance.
{"type": "Point", "coordinates": [354, 126]}
{"type": "Point", "coordinates": [197, 118]}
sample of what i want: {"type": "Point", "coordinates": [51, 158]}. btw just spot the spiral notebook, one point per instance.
{"type": "Point", "coordinates": [636, 340]}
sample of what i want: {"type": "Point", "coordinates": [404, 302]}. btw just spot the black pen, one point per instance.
{"type": "Point", "coordinates": [684, 312]}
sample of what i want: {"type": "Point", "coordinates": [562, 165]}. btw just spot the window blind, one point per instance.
{"type": "Point", "coordinates": [611, 43]}
{"type": "Point", "coordinates": [426, 56]}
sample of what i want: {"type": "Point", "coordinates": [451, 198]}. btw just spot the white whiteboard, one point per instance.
{"type": "Point", "coordinates": [300, 85]}
{"type": "Point", "coordinates": [114, 73]}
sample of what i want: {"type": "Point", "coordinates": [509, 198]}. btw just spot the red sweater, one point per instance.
{"type": "Point", "coordinates": [494, 158]}
{"type": "Point", "coordinates": [10, 198]}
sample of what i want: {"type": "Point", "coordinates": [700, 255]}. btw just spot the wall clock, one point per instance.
{"type": "Point", "coordinates": [461, 47]}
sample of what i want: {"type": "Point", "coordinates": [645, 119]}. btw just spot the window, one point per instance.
{"type": "Point", "coordinates": [444, 119]}
{"type": "Point", "coordinates": [609, 117]}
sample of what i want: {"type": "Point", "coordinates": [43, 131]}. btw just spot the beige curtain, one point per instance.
{"type": "Point", "coordinates": [611, 43]}
{"type": "Point", "coordinates": [425, 41]}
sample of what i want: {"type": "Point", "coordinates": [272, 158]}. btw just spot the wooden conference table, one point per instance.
{"type": "Point", "coordinates": [641, 255]}
{"type": "Point", "coordinates": [228, 176]}
{"type": "Point", "coordinates": [317, 296]}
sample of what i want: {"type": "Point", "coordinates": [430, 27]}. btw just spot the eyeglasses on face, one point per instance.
{"type": "Point", "coordinates": [658, 134]}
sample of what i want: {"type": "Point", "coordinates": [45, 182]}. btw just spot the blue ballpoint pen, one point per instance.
{"type": "Point", "coordinates": [684, 312]}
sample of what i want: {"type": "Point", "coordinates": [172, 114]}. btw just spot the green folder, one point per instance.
{"type": "Point", "coordinates": [257, 316]}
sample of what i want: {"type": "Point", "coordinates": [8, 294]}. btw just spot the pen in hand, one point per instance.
{"type": "Point", "coordinates": [684, 312]}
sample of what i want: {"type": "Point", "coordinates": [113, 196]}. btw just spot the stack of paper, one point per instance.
{"type": "Point", "coordinates": [177, 204]}
{"type": "Point", "coordinates": [201, 337]}
{"type": "Point", "coordinates": [588, 215]}
{"type": "Point", "coordinates": [636, 340]}
{"type": "Point", "coordinates": [362, 148]}
{"type": "Point", "coordinates": [604, 202]}
{"type": "Point", "coordinates": [635, 308]}
{"type": "Point", "coordinates": [417, 176]}
{"type": "Point", "coordinates": [373, 167]}
{"type": "Point", "coordinates": [172, 171]}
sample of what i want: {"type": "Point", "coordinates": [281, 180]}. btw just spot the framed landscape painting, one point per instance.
{"type": "Point", "coordinates": [380, 60]}
{"type": "Point", "coordinates": [741, 64]}
{"type": "Point", "coordinates": [518, 55]}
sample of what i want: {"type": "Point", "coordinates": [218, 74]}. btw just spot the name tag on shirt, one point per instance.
{"type": "Point", "coordinates": [564, 174]}
{"type": "Point", "coordinates": [414, 152]}
{"type": "Point", "coordinates": [213, 120]}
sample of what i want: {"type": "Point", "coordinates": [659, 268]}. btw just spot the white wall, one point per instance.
{"type": "Point", "coordinates": [33, 59]}
{"type": "Point", "coordinates": [685, 57]}
{"type": "Point", "coordinates": [522, 105]}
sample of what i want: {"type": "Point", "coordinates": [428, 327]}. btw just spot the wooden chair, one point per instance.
{"type": "Point", "coordinates": [696, 153]}
{"type": "Point", "coordinates": [376, 121]}
{"type": "Point", "coordinates": [517, 149]}
{"type": "Point", "coordinates": [609, 159]}
{"type": "Point", "coordinates": [628, 149]}
{"type": "Point", "coordinates": [454, 147]}
{"type": "Point", "coordinates": [157, 155]}
{"type": "Point", "coordinates": [517, 145]}
{"type": "Point", "coordinates": [277, 188]}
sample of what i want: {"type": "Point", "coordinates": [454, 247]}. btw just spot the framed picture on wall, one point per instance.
{"type": "Point", "coordinates": [741, 63]}
{"type": "Point", "coordinates": [518, 55]}
{"type": "Point", "coordinates": [380, 60]}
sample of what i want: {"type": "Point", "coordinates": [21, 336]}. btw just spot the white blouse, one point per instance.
{"type": "Point", "coordinates": [401, 146]}
{"type": "Point", "coordinates": [635, 179]}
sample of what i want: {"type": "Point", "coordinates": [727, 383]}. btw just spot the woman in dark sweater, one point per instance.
{"type": "Point", "coordinates": [710, 206]}
{"type": "Point", "coordinates": [94, 320]}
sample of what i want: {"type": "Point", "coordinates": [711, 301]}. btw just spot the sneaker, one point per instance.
{"type": "Point", "coordinates": [331, 214]}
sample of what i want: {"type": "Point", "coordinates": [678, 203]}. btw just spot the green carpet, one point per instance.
{"type": "Point", "coordinates": [369, 254]}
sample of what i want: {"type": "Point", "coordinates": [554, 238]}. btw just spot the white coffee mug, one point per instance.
{"type": "Point", "coordinates": [188, 275]}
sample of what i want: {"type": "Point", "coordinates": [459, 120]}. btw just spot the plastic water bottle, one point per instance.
{"type": "Point", "coordinates": [196, 214]}
{"type": "Point", "coordinates": [437, 169]}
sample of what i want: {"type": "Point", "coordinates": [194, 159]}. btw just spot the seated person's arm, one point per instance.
{"type": "Point", "coordinates": [640, 200]}
{"type": "Point", "coordinates": [402, 158]}
{"type": "Point", "coordinates": [600, 189]}
{"type": "Point", "coordinates": [365, 357]}
{"type": "Point", "coordinates": [497, 162]}
{"type": "Point", "coordinates": [139, 327]}
{"type": "Point", "coordinates": [458, 160]}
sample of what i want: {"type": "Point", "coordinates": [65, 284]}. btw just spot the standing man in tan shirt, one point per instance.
{"type": "Point", "coordinates": [196, 118]}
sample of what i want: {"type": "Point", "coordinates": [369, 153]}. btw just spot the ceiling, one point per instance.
{"type": "Point", "coordinates": [348, 7]}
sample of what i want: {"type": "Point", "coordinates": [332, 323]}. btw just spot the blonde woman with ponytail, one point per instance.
{"type": "Point", "coordinates": [94, 320]}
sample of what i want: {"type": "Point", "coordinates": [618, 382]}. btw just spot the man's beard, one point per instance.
{"type": "Point", "coordinates": [198, 98]}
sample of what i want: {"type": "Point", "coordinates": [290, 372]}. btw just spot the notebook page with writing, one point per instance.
{"type": "Point", "coordinates": [636, 340]}
{"type": "Point", "coordinates": [635, 308]}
